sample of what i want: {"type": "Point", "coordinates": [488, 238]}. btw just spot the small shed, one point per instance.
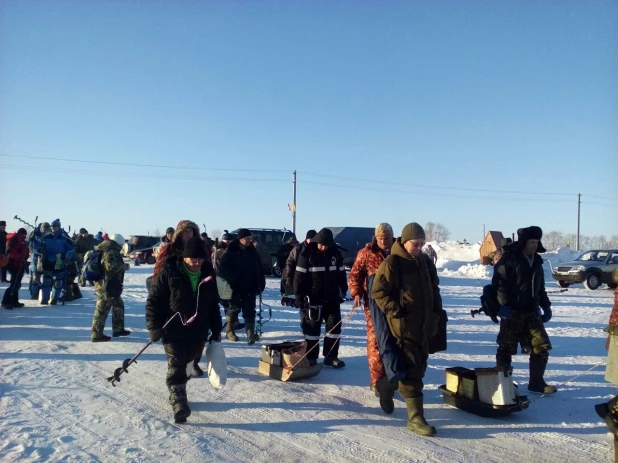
{"type": "Point", "coordinates": [492, 242]}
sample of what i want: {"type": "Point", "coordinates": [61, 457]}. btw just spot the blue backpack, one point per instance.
{"type": "Point", "coordinates": [92, 270]}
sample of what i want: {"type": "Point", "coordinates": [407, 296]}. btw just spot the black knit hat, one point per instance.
{"type": "Point", "coordinates": [169, 230]}
{"type": "Point", "coordinates": [82, 230]}
{"type": "Point", "coordinates": [22, 231]}
{"type": "Point", "coordinates": [194, 248]}
{"type": "Point", "coordinates": [2, 223]}
{"type": "Point", "coordinates": [243, 233]}
{"type": "Point", "coordinates": [311, 234]}
{"type": "Point", "coordinates": [412, 231]}
{"type": "Point", "coordinates": [325, 237]}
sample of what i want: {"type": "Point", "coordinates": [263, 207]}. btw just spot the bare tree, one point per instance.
{"type": "Point", "coordinates": [613, 242]}
{"type": "Point", "coordinates": [156, 232]}
{"type": "Point", "coordinates": [429, 231]}
{"type": "Point", "coordinates": [436, 232]}
{"type": "Point", "coordinates": [553, 240]}
{"type": "Point", "coordinates": [215, 233]}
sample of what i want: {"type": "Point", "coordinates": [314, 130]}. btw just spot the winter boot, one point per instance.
{"type": "Point", "coordinates": [121, 333]}
{"type": "Point", "coordinates": [385, 391]}
{"type": "Point", "coordinates": [229, 329]}
{"type": "Point", "coordinates": [252, 336]}
{"type": "Point", "coordinates": [197, 371]}
{"type": "Point", "coordinates": [416, 418]}
{"type": "Point", "coordinates": [537, 370]}
{"type": "Point", "coordinates": [7, 306]}
{"type": "Point", "coordinates": [178, 401]}
{"type": "Point", "coordinates": [608, 411]}
{"type": "Point", "coordinates": [334, 362]}
{"type": "Point", "coordinates": [100, 338]}
{"type": "Point", "coordinates": [77, 293]}
{"type": "Point", "coordinates": [18, 305]}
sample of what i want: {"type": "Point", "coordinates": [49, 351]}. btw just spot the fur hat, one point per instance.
{"type": "Point", "coordinates": [243, 233]}
{"type": "Point", "coordinates": [412, 231]}
{"type": "Point", "coordinates": [194, 248]}
{"type": "Point", "coordinates": [383, 229]}
{"type": "Point", "coordinates": [324, 237]}
{"type": "Point", "coordinates": [531, 233]}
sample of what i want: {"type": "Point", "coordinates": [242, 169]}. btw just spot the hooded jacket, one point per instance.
{"type": "Point", "coordinates": [172, 293]}
{"type": "Point", "coordinates": [406, 290]}
{"type": "Point", "coordinates": [16, 250]}
{"type": "Point", "coordinates": [519, 284]}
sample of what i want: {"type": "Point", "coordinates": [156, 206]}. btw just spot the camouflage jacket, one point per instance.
{"type": "Point", "coordinates": [367, 262]}
{"type": "Point", "coordinates": [111, 260]}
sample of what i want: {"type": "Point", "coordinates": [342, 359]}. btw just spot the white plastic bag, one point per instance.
{"type": "Point", "coordinates": [217, 364]}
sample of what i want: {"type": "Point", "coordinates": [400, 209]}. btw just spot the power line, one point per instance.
{"type": "Point", "coordinates": [158, 166]}
{"type": "Point", "coordinates": [424, 193]}
{"type": "Point", "coordinates": [603, 197]}
{"type": "Point", "coordinates": [138, 174]}
{"type": "Point", "coordinates": [440, 187]}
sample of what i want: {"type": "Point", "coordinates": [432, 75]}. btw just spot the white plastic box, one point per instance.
{"type": "Point", "coordinates": [495, 386]}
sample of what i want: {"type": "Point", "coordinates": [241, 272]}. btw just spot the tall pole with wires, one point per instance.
{"type": "Point", "coordinates": [579, 202]}
{"type": "Point", "coordinates": [294, 207]}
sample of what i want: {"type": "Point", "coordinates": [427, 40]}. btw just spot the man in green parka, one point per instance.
{"type": "Point", "coordinates": [406, 290]}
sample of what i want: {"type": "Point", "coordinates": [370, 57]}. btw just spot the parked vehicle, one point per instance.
{"type": "Point", "coordinates": [268, 242]}
{"type": "Point", "coordinates": [592, 268]}
{"type": "Point", "coordinates": [145, 256]}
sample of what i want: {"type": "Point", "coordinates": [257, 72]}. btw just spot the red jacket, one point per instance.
{"type": "Point", "coordinates": [367, 262]}
{"type": "Point", "coordinates": [16, 250]}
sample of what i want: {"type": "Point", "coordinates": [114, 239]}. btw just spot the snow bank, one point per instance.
{"type": "Point", "coordinates": [460, 260]}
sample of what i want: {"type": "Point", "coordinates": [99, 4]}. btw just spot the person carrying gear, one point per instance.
{"type": "Point", "coordinates": [241, 267]}
{"type": "Point", "coordinates": [57, 248]}
{"type": "Point", "coordinates": [292, 260]}
{"type": "Point", "coordinates": [185, 289]}
{"type": "Point", "coordinates": [519, 281]}
{"type": "Point", "coordinates": [320, 284]}
{"type": "Point", "coordinates": [17, 252]}
{"type": "Point", "coordinates": [405, 288]}
{"type": "Point", "coordinates": [35, 241]}
{"type": "Point", "coordinates": [109, 290]}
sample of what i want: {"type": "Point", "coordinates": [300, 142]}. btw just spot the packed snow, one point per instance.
{"type": "Point", "coordinates": [57, 405]}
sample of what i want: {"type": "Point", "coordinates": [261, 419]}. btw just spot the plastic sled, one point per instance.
{"type": "Point", "coordinates": [482, 409]}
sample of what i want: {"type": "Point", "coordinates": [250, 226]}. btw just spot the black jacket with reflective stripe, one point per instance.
{"type": "Point", "coordinates": [320, 275]}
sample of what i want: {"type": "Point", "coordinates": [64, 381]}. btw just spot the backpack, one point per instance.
{"type": "Point", "coordinates": [489, 302]}
{"type": "Point", "coordinates": [92, 269]}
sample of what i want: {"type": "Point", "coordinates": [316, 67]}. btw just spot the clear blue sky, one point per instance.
{"type": "Point", "coordinates": [502, 96]}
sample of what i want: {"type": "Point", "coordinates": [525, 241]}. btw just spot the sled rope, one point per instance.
{"type": "Point", "coordinates": [317, 344]}
{"type": "Point", "coordinates": [569, 380]}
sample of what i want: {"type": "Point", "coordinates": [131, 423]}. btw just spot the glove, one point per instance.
{"type": "Point", "coordinates": [155, 335]}
{"type": "Point", "coordinates": [505, 312]}
{"type": "Point", "coordinates": [215, 337]}
{"type": "Point", "coordinates": [546, 315]}
{"type": "Point", "coordinates": [59, 262]}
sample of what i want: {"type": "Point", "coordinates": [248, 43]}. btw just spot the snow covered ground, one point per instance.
{"type": "Point", "coordinates": [56, 405]}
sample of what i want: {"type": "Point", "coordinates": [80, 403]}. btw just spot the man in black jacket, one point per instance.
{"type": "Point", "coordinates": [241, 267]}
{"type": "Point", "coordinates": [185, 289]}
{"type": "Point", "coordinates": [282, 256]}
{"type": "Point", "coordinates": [520, 284]}
{"type": "Point", "coordinates": [292, 260]}
{"type": "Point", "coordinates": [320, 284]}
{"type": "Point", "coordinates": [3, 270]}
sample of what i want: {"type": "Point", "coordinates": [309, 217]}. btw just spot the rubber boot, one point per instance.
{"type": "Point", "coordinates": [229, 329]}
{"type": "Point", "coordinates": [608, 411]}
{"type": "Point", "coordinates": [537, 371]}
{"type": "Point", "coordinates": [252, 337]}
{"type": "Point", "coordinates": [385, 391]}
{"type": "Point", "coordinates": [178, 401]}
{"type": "Point", "coordinates": [416, 418]}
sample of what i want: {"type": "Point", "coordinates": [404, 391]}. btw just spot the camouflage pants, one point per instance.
{"type": "Point", "coordinates": [376, 367]}
{"type": "Point", "coordinates": [104, 304]}
{"type": "Point", "coordinates": [520, 326]}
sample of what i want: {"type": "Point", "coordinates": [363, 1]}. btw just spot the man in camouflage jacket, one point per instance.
{"type": "Point", "coordinates": [109, 290]}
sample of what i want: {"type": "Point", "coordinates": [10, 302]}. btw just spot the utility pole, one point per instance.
{"type": "Point", "coordinates": [579, 202]}
{"type": "Point", "coordinates": [294, 207]}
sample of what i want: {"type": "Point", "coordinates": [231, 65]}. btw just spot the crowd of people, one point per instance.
{"type": "Point", "coordinates": [193, 276]}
